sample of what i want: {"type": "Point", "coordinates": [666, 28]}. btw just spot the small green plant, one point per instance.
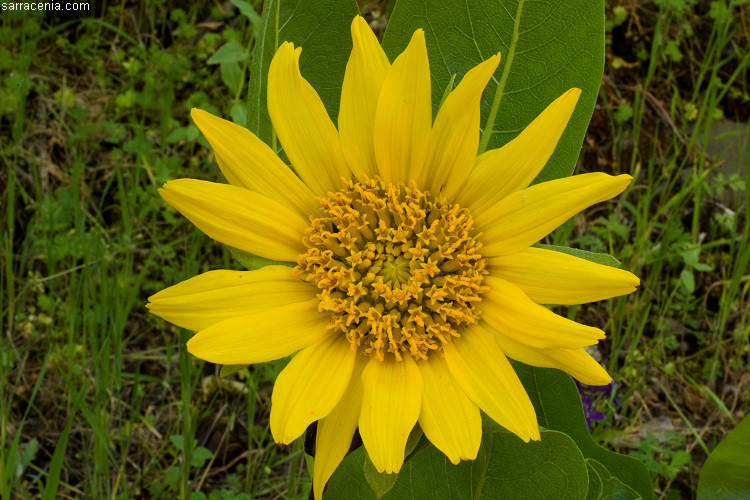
{"type": "Point", "coordinates": [663, 457]}
{"type": "Point", "coordinates": [199, 455]}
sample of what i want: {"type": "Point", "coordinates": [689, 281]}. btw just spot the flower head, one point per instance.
{"type": "Point", "coordinates": [413, 276]}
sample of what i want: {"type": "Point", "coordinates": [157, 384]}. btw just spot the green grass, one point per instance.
{"type": "Point", "coordinates": [679, 346]}
{"type": "Point", "coordinates": [98, 399]}
{"type": "Point", "coordinates": [88, 378]}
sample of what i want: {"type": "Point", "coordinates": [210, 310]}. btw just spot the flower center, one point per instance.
{"type": "Point", "coordinates": [398, 268]}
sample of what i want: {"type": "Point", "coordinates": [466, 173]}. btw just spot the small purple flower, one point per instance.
{"type": "Point", "coordinates": [587, 391]}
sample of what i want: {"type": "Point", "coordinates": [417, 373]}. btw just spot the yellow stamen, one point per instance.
{"type": "Point", "coordinates": [398, 268]}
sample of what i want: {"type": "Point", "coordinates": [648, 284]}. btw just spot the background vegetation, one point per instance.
{"type": "Point", "coordinates": [98, 399]}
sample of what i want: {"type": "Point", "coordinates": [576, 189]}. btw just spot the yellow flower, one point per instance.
{"type": "Point", "coordinates": [415, 276]}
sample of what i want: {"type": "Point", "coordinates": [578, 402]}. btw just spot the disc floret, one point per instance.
{"type": "Point", "coordinates": [398, 268]}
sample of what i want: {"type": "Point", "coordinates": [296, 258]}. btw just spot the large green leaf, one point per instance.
{"type": "Point", "coordinates": [252, 262]}
{"type": "Point", "coordinates": [558, 407]}
{"type": "Point", "coordinates": [505, 468]}
{"type": "Point", "coordinates": [547, 48]}
{"type": "Point", "coordinates": [726, 473]}
{"type": "Point", "coordinates": [610, 488]}
{"type": "Point", "coordinates": [595, 483]}
{"type": "Point", "coordinates": [321, 28]}
{"type": "Point", "coordinates": [604, 259]}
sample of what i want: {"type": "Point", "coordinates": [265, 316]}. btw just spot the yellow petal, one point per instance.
{"type": "Point", "coordinates": [502, 171]}
{"type": "Point", "coordinates": [403, 116]}
{"type": "Point", "coordinates": [308, 135]}
{"type": "Point", "coordinates": [449, 419]}
{"type": "Point", "coordinates": [214, 296]}
{"type": "Point", "coordinates": [310, 387]}
{"type": "Point", "coordinates": [265, 336]}
{"type": "Point", "coordinates": [455, 135]}
{"type": "Point", "coordinates": [508, 310]}
{"type": "Point", "coordinates": [238, 217]}
{"type": "Point", "coordinates": [575, 362]}
{"type": "Point", "coordinates": [550, 277]}
{"type": "Point", "coordinates": [484, 373]}
{"type": "Point", "coordinates": [335, 432]}
{"type": "Point", "coordinates": [524, 217]}
{"type": "Point", "coordinates": [248, 162]}
{"type": "Point", "coordinates": [363, 79]}
{"type": "Point", "coordinates": [391, 399]}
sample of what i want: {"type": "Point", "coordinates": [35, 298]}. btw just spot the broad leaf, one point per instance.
{"type": "Point", "coordinates": [231, 75]}
{"type": "Point", "coordinates": [227, 370]}
{"type": "Point", "coordinates": [595, 483]}
{"type": "Point", "coordinates": [726, 473]}
{"type": "Point", "coordinates": [322, 29]}
{"type": "Point", "coordinates": [252, 262]}
{"type": "Point", "coordinates": [558, 406]}
{"type": "Point", "coordinates": [229, 52]}
{"type": "Point", "coordinates": [598, 258]}
{"type": "Point", "coordinates": [505, 468]}
{"type": "Point", "coordinates": [380, 482]}
{"type": "Point", "coordinates": [610, 488]}
{"type": "Point", "coordinates": [547, 48]}
{"type": "Point", "coordinates": [248, 11]}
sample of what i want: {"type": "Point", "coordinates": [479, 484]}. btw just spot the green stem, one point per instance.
{"type": "Point", "coordinates": [682, 415]}
{"type": "Point", "coordinates": [490, 124]}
